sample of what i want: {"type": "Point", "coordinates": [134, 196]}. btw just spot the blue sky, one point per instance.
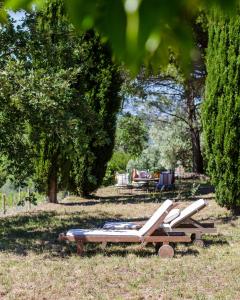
{"type": "Point", "coordinates": [17, 15]}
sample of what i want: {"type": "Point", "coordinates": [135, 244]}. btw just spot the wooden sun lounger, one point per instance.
{"type": "Point", "coordinates": [149, 233]}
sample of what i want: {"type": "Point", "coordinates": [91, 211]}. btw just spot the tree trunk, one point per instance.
{"type": "Point", "coordinates": [197, 159]}
{"type": "Point", "coordinates": [52, 189]}
{"type": "Point", "coordinates": [52, 181]}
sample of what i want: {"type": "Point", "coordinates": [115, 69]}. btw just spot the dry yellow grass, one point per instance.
{"type": "Point", "coordinates": [34, 265]}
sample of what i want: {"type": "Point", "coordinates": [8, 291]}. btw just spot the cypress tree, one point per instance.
{"type": "Point", "coordinates": [221, 108]}
{"type": "Point", "coordinates": [99, 83]}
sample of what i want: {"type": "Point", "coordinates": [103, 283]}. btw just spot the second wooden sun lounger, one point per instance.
{"type": "Point", "coordinates": [148, 233]}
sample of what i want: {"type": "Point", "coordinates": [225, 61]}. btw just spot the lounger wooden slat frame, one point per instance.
{"type": "Point", "coordinates": [192, 226]}
{"type": "Point", "coordinates": [165, 251]}
{"type": "Point", "coordinates": [128, 239]}
{"type": "Point", "coordinates": [195, 229]}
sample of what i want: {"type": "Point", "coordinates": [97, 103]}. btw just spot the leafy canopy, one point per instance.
{"type": "Point", "coordinates": [169, 147]}
{"type": "Point", "coordinates": [139, 30]}
{"type": "Point", "coordinates": [131, 135]}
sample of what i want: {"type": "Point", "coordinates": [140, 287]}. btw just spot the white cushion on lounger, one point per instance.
{"type": "Point", "coordinates": [101, 232]}
{"type": "Point", "coordinates": [155, 217]}
{"type": "Point", "coordinates": [189, 211]}
{"type": "Point", "coordinates": [120, 225]}
{"type": "Point", "coordinates": [147, 226]}
{"type": "Point", "coordinates": [173, 214]}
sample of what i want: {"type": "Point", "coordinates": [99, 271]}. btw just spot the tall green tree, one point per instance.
{"type": "Point", "coordinates": [169, 145]}
{"type": "Point", "coordinates": [12, 142]}
{"type": "Point", "coordinates": [65, 88]}
{"type": "Point", "coordinates": [131, 135]}
{"type": "Point", "coordinates": [173, 93]}
{"type": "Point", "coordinates": [167, 98]}
{"type": "Point", "coordinates": [221, 108]}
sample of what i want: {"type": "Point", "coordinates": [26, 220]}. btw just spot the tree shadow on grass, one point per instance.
{"type": "Point", "coordinates": [219, 240]}
{"type": "Point", "coordinates": [114, 200]}
{"type": "Point", "coordinates": [38, 232]}
{"type": "Point", "coordinates": [122, 250]}
{"type": "Point", "coordinates": [125, 249]}
{"type": "Point", "coordinates": [205, 189]}
{"type": "Point", "coordinates": [151, 198]}
{"type": "Point", "coordinates": [182, 194]}
{"type": "Point", "coordinates": [221, 219]}
{"type": "Point", "coordinates": [187, 252]}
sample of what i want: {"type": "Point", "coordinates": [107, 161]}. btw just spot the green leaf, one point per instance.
{"type": "Point", "coordinates": [19, 4]}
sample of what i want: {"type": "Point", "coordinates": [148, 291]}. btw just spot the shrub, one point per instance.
{"type": "Point", "coordinates": [118, 163]}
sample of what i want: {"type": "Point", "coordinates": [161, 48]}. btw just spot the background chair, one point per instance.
{"type": "Point", "coordinates": [123, 182]}
{"type": "Point", "coordinates": [166, 181]}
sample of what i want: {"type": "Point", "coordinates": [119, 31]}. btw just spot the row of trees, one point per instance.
{"type": "Point", "coordinates": [141, 33]}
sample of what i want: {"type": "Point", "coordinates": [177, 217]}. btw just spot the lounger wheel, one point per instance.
{"type": "Point", "coordinates": [199, 243]}
{"type": "Point", "coordinates": [166, 251]}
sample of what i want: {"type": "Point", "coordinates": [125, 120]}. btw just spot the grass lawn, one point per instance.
{"type": "Point", "coordinates": [34, 265]}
